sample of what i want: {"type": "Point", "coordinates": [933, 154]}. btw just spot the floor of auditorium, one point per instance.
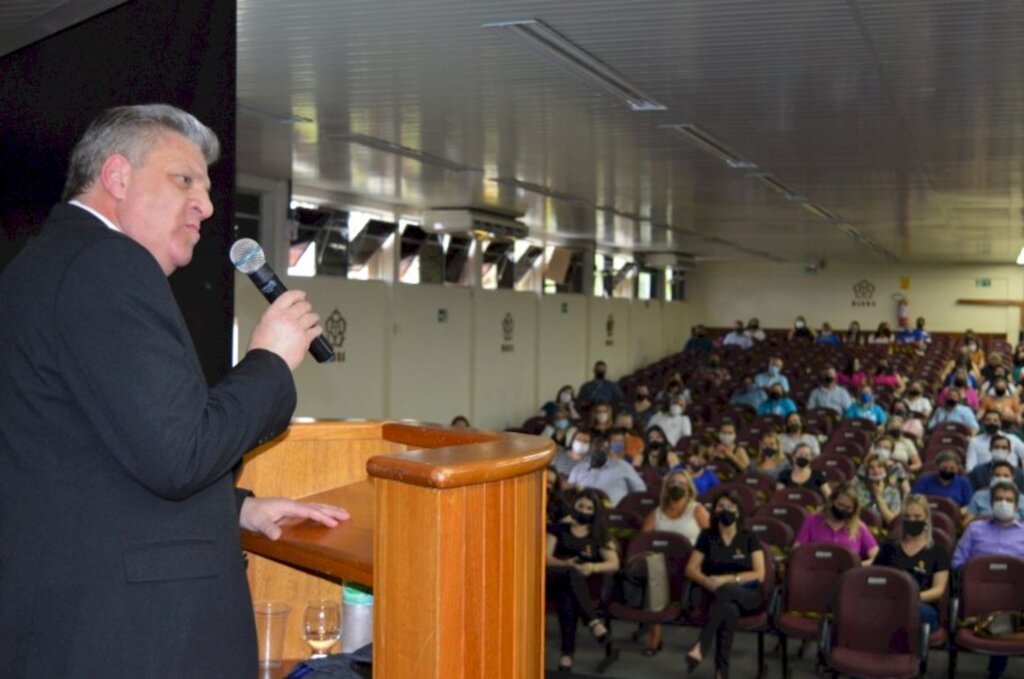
{"type": "Point", "coordinates": [632, 664]}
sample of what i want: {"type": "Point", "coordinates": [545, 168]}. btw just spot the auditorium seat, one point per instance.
{"type": "Point", "coordinates": [841, 462]}
{"type": "Point", "coordinates": [793, 515]}
{"type": "Point", "coordinates": [641, 503]}
{"type": "Point", "coordinates": [762, 484]}
{"type": "Point", "coordinates": [773, 533]}
{"type": "Point", "coordinates": [987, 584]}
{"type": "Point", "coordinates": [746, 495]}
{"type": "Point", "coordinates": [805, 497]}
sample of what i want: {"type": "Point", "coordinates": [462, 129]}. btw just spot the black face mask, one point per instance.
{"type": "Point", "coordinates": [774, 397]}
{"type": "Point", "coordinates": [695, 466]}
{"type": "Point", "coordinates": [598, 459]}
{"type": "Point", "coordinates": [725, 517]}
{"type": "Point", "coordinates": [827, 379]}
{"type": "Point", "coordinates": [582, 517]}
{"type": "Point", "coordinates": [841, 514]}
{"type": "Point", "coordinates": [959, 383]}
{"type": "Point", "coordinates": [914, 393]}
{"type": "Point", "coordinates": [599, 374]}
{"type": "Point", "coordinates": [676, 493]}
{"type": "Point", "coordinates": [951, 403]}
{"type": "Point", "coordinates": [1000, 392]}
{"type": "Point", "coordinates": [913, 528]}
{"type": "Point", "coordinates": [991, 428]}
{"type": "Point", "coordinates": [769, 452]}
{"type": "Point", "coordinates": [946, 475]}
{"type": "Point", "coordinates": [895, 433]}
{"type": "Point", "coordinates": [802, 462]}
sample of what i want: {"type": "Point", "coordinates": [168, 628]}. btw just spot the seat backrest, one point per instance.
{"type": "Point", "coordinates": [746, 495]}
{"type": "Point", "coordinates": [534, 425]}
{"type": "Point", "coordinates": [944, 505]}
{"type": "Point", "coordinates": [771, 532]}
{"type": "Point", "coordinates": [642, 503]}
{"type": "Point", "coordinates": [619, 520]}
{"type": "Point", "coordinates": [805, 497]}
{"type": "Point", "coordinates": [793, 515]}
{"type": "Point", "coordinates": [811, 575]}
{"type": "Point", "coordinates": [840, 462]}
{"type": "Point", "coordinates": [851, 449]}
{"type": "Point", "coordinates": [762, 484]}
{"type": "Point", "coordinates": [850, 430]}
{"type": "Point", "coordinates": [677, 550]}
{"type": "Point", "coordinates": [875, 609]}
{"type": "Point", "coordinates": [991, 583]}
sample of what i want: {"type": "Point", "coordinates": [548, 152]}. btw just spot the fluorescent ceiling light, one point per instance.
{"type": "Point", "coordinates": [636, 217]}
{"type": "Point", "coordinates": [284, 119]}
{"type": "Point", "coordinates": [537, 188]}
{"type": "Point", "coordinates": [819, 211]}
{"type": "Point", "coordinates": [1020, 257]}
{"type": "Point", "coordinates": [704, 140]}
{"type": "Point", "coordinates": [556, 48]}
{"type": "Point", "coordinates": [404, 151]}
{"type": "Point", "coordinates": [778, 187]}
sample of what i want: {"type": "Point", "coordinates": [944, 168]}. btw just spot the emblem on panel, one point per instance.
{"type": "Point", "coordinates": [334, 331]}
{"type": "Point", "coordinates": [863, 291]}
{"type": "Point", "coordinates": [609, 329]}
{"type": "Point", "coordinates": [508, 330]}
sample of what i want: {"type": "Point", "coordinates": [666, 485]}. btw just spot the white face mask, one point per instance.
{"type": "Point", "coordinates": [883, 454]}
{"type": "Point", "coordinates": [565, 397]}
{"type": "Point", "coordinates": [999, 479]}
{"type": "Point", "coordinates": [901, 456]}
{"type": "Point", "coordinates": [727, 438]}
{"type": "Point", "coordinates": [580, 447]}
{"type": "Point", "coordinates": [601, 418]}
{"type": "Point", "coordinates": [675, 409]}
{"type": "Point", "coordinates": [1002, 510]}
{"type": "Point", "coordinates": [1000, 454]}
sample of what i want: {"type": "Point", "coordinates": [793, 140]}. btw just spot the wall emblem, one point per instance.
{"type": "Point", "coordinates": [335, 328]}
{"type": "Point", "coordinates": [863, 293]}
{"type": "Point", "coordinates": [609, 329]}
{"type": "Point", "coordinates": [508, 330]}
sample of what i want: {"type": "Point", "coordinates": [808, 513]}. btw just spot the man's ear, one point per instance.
{"type": "Point", "coordinates": [115, 175]}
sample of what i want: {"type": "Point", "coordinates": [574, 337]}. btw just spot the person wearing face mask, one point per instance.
{"type": "Point", "coordinates": [698, 342]}
{"type": "Point", "coordinates": [771, 458]}
{"type": "Point", "coordinates": [600, 389]}
{"type": "Point", "coordinates": [866, 409]}
{"type": "Point", "coordinates": [917, 402]}
{"type": "Point", "coordinates": [754, 330]}
{"type": "Point", "coordinates": [947, 482]}
{"type": "Point", "coordinates": [981, 501]}
{"type": "Point", "coordinates": [728, 450]}
{"type": "Point", "coordinates": [953, 410]}
{"type": "Point", "coordinates": [828, 338]}
{"type": "Point", "coordinates": [712, 374]}
{"type": "Point", "coordinates": [886, 376]}
{"type": "Point", "coordinates": [877, 490]}
{"type": "Point", "coordinates": [829, 394]}
{"type": "Point", "coordinates": [1003, 401]}
{"type": "Point", "coordinates": [852, 376]}
{"type": "Point", "coordinates": [979, 449]}
{"type": "Point", "coordinates": [642, 407]}
{"type": "Point", "coordinates": [634, 442]}
{"type": "Point", "coordinates": [557, 505]}
{"type": "Point", "coordinates": [704, 478]}
{"type": "Point", "coordinates": [573, 454]}
{"type": "Point", "coordinates": [903, 449]}
{"type": "Point", "coordinates": [605, 472]}
{"type": "Point", "coordinates": [801, 475]}
{"type": "Point", "coordinates": [910, 424]}
{"type": "Point", "coordinates": [916, 554]}
{"type": "Point", "coordinates": [1000, 450]}
{"type": "Point", "coordinates": [777, 403]}
{"type": "Point", "coordinates": [729, 563]}
{"type": "Point", "coordinates": [1018, 364]}
{"type": "Point", "coordinates": [658, 457]}
{"type": "Point", "coordinates": [794, 435]}
{"type": "Point", "coordinates": [884, 449]}
{"type": "Point", "coordinates": [577, 548]}
{"type": "Point", "coordinates": [883, 335]}
{"type": "Point", "coordinates": [839, 523]}
{"type": "Point", "coordinates": [738, 338]}
{"type": "Point", "coordinates": [601, 419]}
{"type": "Point", "coordinates": [773, 376]}
{"type": "Point", "coordinates": [800, 331]}
{"type": "Point", "coordinates": [1002, 534]}
{"type": "Point", "coordinates": [677, 512]}
{"type": "Point", "coordinates": [748, 394]}
{"type": "Point", "coordinates": [918, 335]}
{"type": "Point", "coordinates": [559, 428]}
{"type": "Point", "coordinates": [972, 348]}
{"type": "Point", "coordinates": [674, 386]}
{"type": "Point", "coordinates": [968, 394]}
{"type": "Point", "coordinates": [566, 399]}
{"type": "Point", "coordinates": [672, 421]}
{"type": "Point", "coordinates": [853, 335]}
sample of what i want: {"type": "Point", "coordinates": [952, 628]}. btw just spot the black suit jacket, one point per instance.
{"type": "Point", "coordinates": [120, 553]}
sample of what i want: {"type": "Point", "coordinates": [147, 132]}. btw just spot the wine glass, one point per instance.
{"type": "Point", "coordinates": [321, 626]}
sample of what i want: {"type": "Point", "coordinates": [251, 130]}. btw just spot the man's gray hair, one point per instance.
{"type": "Point", "coordinates": [1007, 486]}
{"type": "Point", "coordinates": [132, 131]}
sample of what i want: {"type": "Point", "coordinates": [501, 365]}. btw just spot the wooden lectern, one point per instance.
{"type": "Point", "coordinates": [447, 528]}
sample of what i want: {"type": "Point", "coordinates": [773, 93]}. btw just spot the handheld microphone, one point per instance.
{"type": "Point", "coordinates": [247, 256]}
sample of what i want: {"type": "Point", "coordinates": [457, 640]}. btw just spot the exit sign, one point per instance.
{"type": "Point", "coordinates": [983, 282]}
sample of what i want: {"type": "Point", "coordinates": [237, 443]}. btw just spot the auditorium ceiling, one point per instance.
{"type": "Point", "coordinates": [857, 130]}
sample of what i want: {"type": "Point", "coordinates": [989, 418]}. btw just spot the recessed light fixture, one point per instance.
{"type": "Point", "coordinates": [635, 216]}
{"type": "Point", "coordinates": [404, 151]}
{"type": "Point", "coordinates": [284, 119]}
{"type": "Point", "coordinates": [706, 141]}
{"type": "Point", "coordinates": [556, 48]}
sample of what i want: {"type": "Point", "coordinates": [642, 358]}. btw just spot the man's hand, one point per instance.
{"type": "Point", "coordinates": [286, 328]}
{"type": "Point", "coordinates": [267, 514]}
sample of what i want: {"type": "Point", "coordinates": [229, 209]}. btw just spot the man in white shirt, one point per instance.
{"type": "Point", "coordinates": [830, 394]}
{"type": "Point", "coordinates": [738, 338]}
{"type": "Point", "coordinates": [978, 451]}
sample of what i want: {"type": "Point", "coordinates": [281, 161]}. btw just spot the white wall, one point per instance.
{"type": "Point", "coordinates": [402, 361]}
{"type": "Point", "coordinates": [775, 293]}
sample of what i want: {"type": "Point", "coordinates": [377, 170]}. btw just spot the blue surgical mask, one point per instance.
{"type": "Point", "coordinates": [617, 446]}
{"type": "Point", "coordinates": [773, 370]}
{"type": "Point", "coordinates": [866, 399]}
{"type": "Point", "coordinates": [562, 423]}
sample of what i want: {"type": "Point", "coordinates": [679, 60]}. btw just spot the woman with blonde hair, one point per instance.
{"type": "Point", "coordinates": [917, 555]}
{"type": "Point", "coordinates": [677, 512]}
{"type": "Point", "coordinates": [770, 459]}
{"type": "Point", "coordinates": [839, 523]}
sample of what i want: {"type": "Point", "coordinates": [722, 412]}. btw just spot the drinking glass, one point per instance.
{"type": "Point", "coordinates": [321, 626]}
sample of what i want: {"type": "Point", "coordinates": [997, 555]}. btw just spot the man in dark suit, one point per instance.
{"type": "Point", "coordinates": [120, 552]}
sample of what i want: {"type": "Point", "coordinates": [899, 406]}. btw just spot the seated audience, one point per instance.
{"type": "Point", "coordinates": [919, 336]}
{"type": "Point", "coordinates": [566, 398]}
{"type": "Point", "coordinates": [866, 408]}
{"type": "Point", "coordinates": [577, 548]}
{"type": "Point", "coordinates": [953, 410]}
{"type": "Point", "coordinates": [1002, 534]}
{"type": "Point", "coordinates": [460, 422]}
{"type": "Point", "coordinates": [827, 337]}
{"type": "Point", "coordinates": [887, 377]}
{"type": "Point", "coordinates": [728, 450]}
{"type": "Point", "coordinates": [988, 387]}
{"type": "Point", "coordinates": [829, 394]}
{"type": "Point", "coordinates": [800, 331]}
{"type": "Point", "coordinates": [916, 554]}
{"type": "Point", "coordinates": [699, 342]}
{"type": "Point", "coordinates": [947, 482]}
{"type": "Point", "coordinates": [671, 420]}
{"type": "Point", "coordinates": [963, 367]}
{"type": "Point", "coordinates": [877, 490]}
{"type": "Point", "coordinates": [999, 449]}
{"type": "Point", "coordinates": [1004, 401]}
{"type": "Point", "coordinates": [896, 471]}
{"type": "Point", "coordinates": [616, 477]}
{"type": "Point", "coordinates": [737, 337]}
{"type": "Point", "coordinates": [973, 349]}
{"type": "Point", "coordinates": [558, 507]}
{"type": "Point", "coordinates": [729, 563]}
{"type": "Point", "coordinates": [674, 386]}
{"type": "Point", "coordinates": [801, 475]}
{"type": "Point", "coordinates": [703, 476]}
{"type": "Point", "coordinates": [912, 424]}
{"type": "Point", "coordinates": [853, 335]}
{"type": "Point", "coordinates": [968, 395]}
{"type": "Point", "coordinates": [748, 394]}
{"type": "Point", "coordinates": [754, 330]}
{"type": "Point", "coordinates": [657, 456]}
{"type": "Point", "coordinates": [770, 458]}
{"type": "Point", "coordinates": [1018, 364]}
{"type": "Point", "coordinates": [568, 457]}
{"type": "Point", "coordinates": [712, 373]}
{"type": "Point", "coordinates": [559, 429]}
{"type": "Point", "coordinates": [904, 450]}
{"type": "Point", "coordinates": [917, 402]}
{"type": "Point", "coordinates": [634, 441]}
{"type": "Point", "coordinates": [992, 367]}
{"type": "Point", "coordinates": [677, 512]}
{"type": "Point", "coordinates": [777, 403]}
{"type": "Point", "coordinates": [643, 406]}
{"type": "Point", "coordinates": [839, 523]}
{"type": "Point", "coordinates": [772, 376]}
{"type": "Point", "coordinates": [981, 501]}
{"type": "Point", "coordinates": [978, 450]}
{"type": "Point", "coordinates": [883, 335]}
{"type": "Point", "coordinates": [794, 435]}
{"type": "Point", "coordinates": [600, 388]}
{"type": "Point", "coordinates": [852, 376]}
{"type": "Point", "coordinates": [600, 420]}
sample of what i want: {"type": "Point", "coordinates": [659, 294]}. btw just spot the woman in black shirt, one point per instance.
{"type": "Point", "coordinates": [800, 475]}
{"type": "Point", "coordinates": [729, 563]}
{"type": "Point", "coordinates": [917, 555]}
{"type": "Point", "coordinates": [577, 548]}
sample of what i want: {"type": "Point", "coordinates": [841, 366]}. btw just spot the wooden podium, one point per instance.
{"type": "Point", "coordinates": [447, 528]}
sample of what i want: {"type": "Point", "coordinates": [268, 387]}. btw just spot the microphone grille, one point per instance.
{"type": "Point", "coordinates": [247, 255]}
